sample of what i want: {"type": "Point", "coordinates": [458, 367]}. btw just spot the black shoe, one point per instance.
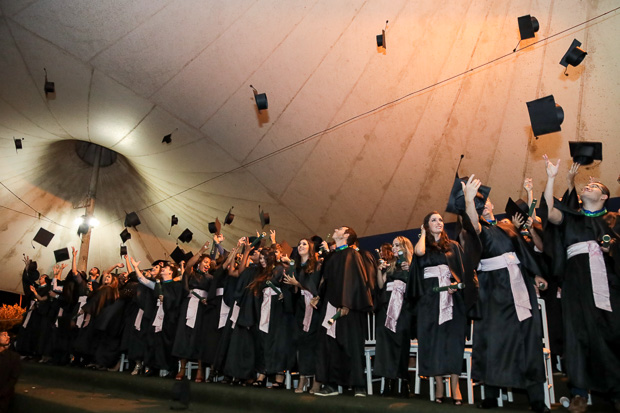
{"type": "Point", "coordinates": [327, 390]}
{"type": "Point", "coordinates": [487, 404]}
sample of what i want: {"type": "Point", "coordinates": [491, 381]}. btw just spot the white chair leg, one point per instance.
{"type": "Point", "coordinates": [417, 377]}
{"type": "Point", "coordinates": [287, 380]}
{"type": "Point", "coordinates": [431, 388]}
{"type": "Point", "coordinates": [368, 375]}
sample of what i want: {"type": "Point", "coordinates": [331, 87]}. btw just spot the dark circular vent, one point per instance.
{"type": "Point", "coordinates": [86, 151]}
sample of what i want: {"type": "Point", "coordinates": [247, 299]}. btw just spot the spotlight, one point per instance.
{"type": "Point", "coordinates": [49, 87]}
{"type": "Point", "coordinates": [528, 25]}
{"type": "Point", "coordinates": [573, 56]}
{"type": "Point", "coordinates": [545, 115]}
{"type": "Point", "coordinates": [381, 37]}
{"type": "Point", "coordinates": [93, 222]}
{"type": "Point", "coordinates": [261, 100]}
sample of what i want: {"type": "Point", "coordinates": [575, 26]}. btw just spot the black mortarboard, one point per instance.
{"type": "Point", "coordinates": [18, 144]}
{"type": "Point", "coordinates": [167, 138]}
{"type": "Point", "coordinates": [261, 99]}
{"type": "Point", "coordinates": [545, 115]}
{"type": "Point", "coordinates": [264, 217]}
{"type": "Point", "coordinates": [456, 202]}
{"type": "Point", "coordinates": [61, 254]}
{"type": "Point", "coordinates": [528, 25]}
{"type": "Point", "coordinates": [174, 220]}
{"type": "Point", "coordinates": [585, 153]}
{"type": "Point", "coordinates": [123, 251]}
{"type": "Point", "coordinates": [180, 394]}
{"type": "Point", "coordinates": [186, 236]}
{"type": "Point", "coordinates": [519, 208]}
{"type": "Point", "coordinates": [229, 217]}
{"type": "Point", "coordinates": [159, 262]}
{"type": "Point", "coordinates": [43, 237]}
{"type": "Point", "coordinates": [574, 55]}
{"type": "Point", "coordinates": [381, 40]}
{"type": "Point", "coordinates": [125, 235]}
{"type": "Point", "coordinates": [132, 220]}
{"type": "Point", "coordinates": [179, 255]}
{"type": "Point", "coordinates": [215, 227]}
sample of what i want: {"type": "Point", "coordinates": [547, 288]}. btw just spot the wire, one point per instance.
{"type": "Point", "coordinates": [368, 112]}
{"type": "Point", "coordinates": [39, 214]}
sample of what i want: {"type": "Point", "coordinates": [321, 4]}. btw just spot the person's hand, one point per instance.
{"type": "Point", "coordinates": [314, 302]}
{"type": "Point", "coordinates": [552, 170]}
{"type": "Point", "coordinates": [203, 301]}
{"type": "Point", "coordinates": [90, 286]}
{"type": "Point", "coordinates": [452, 290]}
{"type": "Point", "coordinates": [73, 251]}
{"type": "Point", "coordinates": [343, 311]}
{"type": "Point", "coordinates": [291, 280]}
{"type": "Point", "coordinates": [63, 266]}
{"type": "Point", "coordinates": [572, 172]}
{"type": "Point", "coordinates": [120, 265]}
{"type": "Point", "coordinates": [161, 298]}
{"type": "Point", "coordinates": [528, 185]}
{"type": "Point", "coordinates": [285, 259]}
{"type": "Point", "coordinates": [53, 294]}
{"type": "Point", "coordinates": [382, 265]}
{"type": "Point", "coordinates": [272, 235]}
{"type": "Point", "coordinates": [404, 265]}
{"type": "Point", "coordinates": [517, 220]}
{"type": "Point", "coordinates": [325, 246]}
{"type": "Point", "coordinates": [422, 232]}
{"type": "Point", "coordinates": [56, 270]}
{"type": "Point", "coordinates": [34, 290]}
{"type": "Point", "coordinates": [470, 189]}
{"type": "Point", "coordinates": [280, 297]}
{"type": "Point", "coordinates": [205, 247]}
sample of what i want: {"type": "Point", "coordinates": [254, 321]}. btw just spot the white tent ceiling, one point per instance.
{"type": "Point", "coordinates": [129, 72]}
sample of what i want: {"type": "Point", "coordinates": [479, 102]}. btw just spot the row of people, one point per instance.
{"type": "Point", "coordinates": [253, 313]}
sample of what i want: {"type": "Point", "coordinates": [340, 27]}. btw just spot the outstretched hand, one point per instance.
{"type": "Point", "coordinates": [552, 170]}
{"type": "Point", "coordinates": [470, 189]}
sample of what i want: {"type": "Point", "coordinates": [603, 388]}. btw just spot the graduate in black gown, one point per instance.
{"type": "Point", "coordinates": [305, 277]}
{"type": "Point", "coordinates": [442, 323]}
{"type": "Point", "coordinates": [393, 316]}
{"type": "Point", "coordinates": [196, 284]}
{"type": "Point", "coordinates": [585, 246]}
{"type": "Point", "coordinates": [507, 343]}
{"type": "Point", "coordinates": [345, 291]}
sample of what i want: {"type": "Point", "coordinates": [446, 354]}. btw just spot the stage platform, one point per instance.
{"type": "Point", "coordinates": [52, 389]}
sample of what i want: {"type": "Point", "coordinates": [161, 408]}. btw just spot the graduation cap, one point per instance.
{"type": "Point", "coordinates": [167, 138]}
{"type": "Point", "coordinates": [186, 236]}
{"type": "Point", "coordinates": [179, 255]}
{"type": "Point", "coordinates": [229, 217]}
{"type": "Point", "coordinates": [286, 248]}
{"type": "Point", "coordinates": [159, 262]}
{"type": "Point", "coordinates": [545, 115]}
{"type": "Point", "coordinates": [528, 26]}
{"type": "Point", "coordinates": [43, 237]}
{"type": "Point", "coordinates": [49, 86]}
{"type": "Point", "coordinates": [123, 251]}
{"type": "Point", "coordinates": [519, 208]}
{"type": "Point", "coordinates": [215, 227]}
{"type": "Point", "coordinates": [132, 220]}
{"type": "Point", "coordinates": [180, 394]}
{"type": "Point", "coordinates": [456, 202]}
{"type": "Point", "coordinates": [264, 217]}
{"type": "Point", "coordinates": [261, 99]}
{"type": "Point", "coordinates": [18, 144]}
{"type": "Point", "coordinates": [381, 37]}
{"type": "Point", "coordinates": [174, 220]}
{"type": "Point", "coordinates": [125, 235]}
{"type": "Point", "coordinates": [573, 56]}
{"type": "Point", "coordinates": [61, 254]}
{"type": "Point", "coordinates": [585, 153]}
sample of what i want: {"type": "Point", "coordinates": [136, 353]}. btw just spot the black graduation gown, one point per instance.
{"type": "Point", "coordinates": [591, 335]}
{"type": "Point", "coordinates": [392, 352]}
{"type": "Point", "coordinates": [276, 344]}
{"type": "Point", "coordinates": [506, 352]}
{"type": "Point", "coordinates": [229, 297]}
{"type": "Point", "coordinates": [440, 347]}
{"type": "Point", "coordinates": [341, 360]}
{"type": "Point", "coordinates": [160, 343]}
{"type": "Point", "coordinates": [305, 342]}
{"type": "Point", "coordinates": [241, 358]}
{"type": "Point", "coordinates": [187, 342]}
{"type": "Point", "coordinates": [30, 337]}
{"type": "Point", "coordinates": [210, 332]}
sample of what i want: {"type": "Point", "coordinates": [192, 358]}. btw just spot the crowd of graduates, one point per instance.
{"type": "Point", "coordinates": [257, 311]}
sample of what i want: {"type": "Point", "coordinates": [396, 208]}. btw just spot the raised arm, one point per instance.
{"type": "Point", "coordinates": [420, 246]}
{"type": "Point", "coordinates": [141, 278]}
{"type": "Point", "coordinates": [554, 215]}
{"type": "Point", "coordinates": [570, 177]}
{"type": "Point", "coordinates": [192, 261]}
{"type": "Point", "coordinates": [112, 268]}
{"type": "Point", "coordinates": [74, 261]}
{"type": "Point", "coordinates": [470, 189]}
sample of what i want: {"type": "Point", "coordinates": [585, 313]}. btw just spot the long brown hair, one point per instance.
{"type": "Point", "coordinates": [265, 273]}
{"type": "Point", "coordinates": [444, 241]}
{"type": "Point", "coordinates": [311, 263]}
